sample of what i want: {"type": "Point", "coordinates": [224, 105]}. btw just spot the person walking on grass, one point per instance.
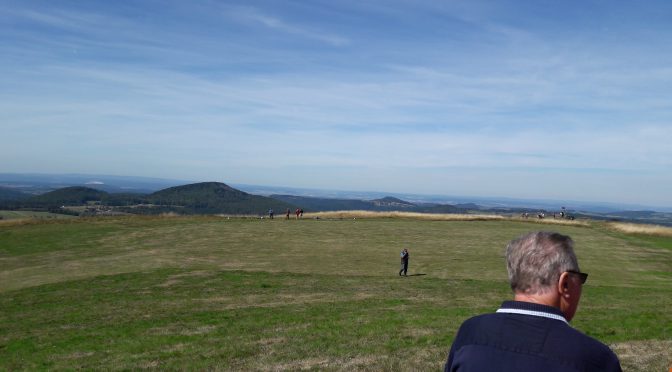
{"type": "Point", "coordinates": [532, 332]}
{"type": "Point", "coordinates": [404, 262]}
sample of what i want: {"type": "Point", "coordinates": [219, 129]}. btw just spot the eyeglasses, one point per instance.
{"type": "Point", "coordinates": [582, 276]}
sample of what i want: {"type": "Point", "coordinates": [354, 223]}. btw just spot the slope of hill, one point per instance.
{"type": "Point", "coordinates": [11, 194]}
{"type": "Point", "coordinates": [324, 204]}
{"type": "Point", "coordinates": [390, 202]}
{"type": "Point", "coordinates": [75, 195]}
{"type": "Point", "coordinates": [648, 217]}
{"type": "Point", "coordinates": [214, 197]}
{"type": "Point", "coordinates": [219, 198]}
{"type": "Point", "coordinates": [441, 208]}
{"type": "Point", "coordinates": [384, 205]}
{"type": "Point", "coordinates": [198, 198]}
{"type": "Point", "coordinates": [327, 204]}
{"type": "Point", "coordinates": [195, 193]}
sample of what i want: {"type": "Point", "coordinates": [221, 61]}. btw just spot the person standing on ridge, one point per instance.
{"type": "Point", "coordinates": [404, 262]}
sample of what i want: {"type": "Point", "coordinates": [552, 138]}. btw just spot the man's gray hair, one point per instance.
{"type": "Point", "coordinates": [536, 260]}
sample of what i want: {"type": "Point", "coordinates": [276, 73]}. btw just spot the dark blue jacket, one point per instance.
{"type": "Point", "coordinates": [522, 337]}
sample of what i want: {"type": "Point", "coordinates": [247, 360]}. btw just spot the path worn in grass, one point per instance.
{"type": "Point", "coordinates": [201, 293]}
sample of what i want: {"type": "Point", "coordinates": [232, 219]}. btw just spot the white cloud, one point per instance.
{"type": "Point", "coordinates": [226, 99]}
{"type": "Point", "coordinates": [249, 14]}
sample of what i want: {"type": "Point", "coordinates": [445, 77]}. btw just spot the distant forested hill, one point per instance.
{"type": "Point", "coordinates": [383, 204]}
{"type": "Point", "coordinates": [75, 195]}
{"type": "Point", "coordinates": [219, 198]}
{"type": "Point", "coordinates": [215, 197]}
{"type": "Point", "coordinates": [199, 198]}
{"type": "Point", "coordinates": [442, 208]}
{"type": "Point", "coordinates": [324, 204]}
{"type": "Point", "coordinates": [10, 194]}
{"type": "Point", "coordinates": [392, 203]}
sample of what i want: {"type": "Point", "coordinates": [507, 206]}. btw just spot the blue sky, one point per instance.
{"type": "Point", "coordinates": [530, 99]}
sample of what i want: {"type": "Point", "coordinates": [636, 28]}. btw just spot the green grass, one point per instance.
{"type": "Point", "coordinates": [14, 215]}
{"type": "Point", "coordinates": [215, 293]}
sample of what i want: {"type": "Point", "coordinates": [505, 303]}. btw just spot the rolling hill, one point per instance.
{"type": "Point", "coordinates": [327, 204]}
{"type": "Point", "coordinates": [11, 194]}
{"type": "Point", "coordinates": [391, 202]}
{"type": "Point", "coordinates": [219, 198]}
{"type": "Point", "coordinates": [198, 198]}
{"type": "Point", "coordinates": [75, 195]}
{"type": "Point", "coordinates": [324, 204]}
{"type": "Point", "coordinates": [385, 204]}
{"type": "Point", "coordinates": [214, 197]}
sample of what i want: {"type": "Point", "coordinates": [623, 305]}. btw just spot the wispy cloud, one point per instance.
{"type": "Point", "coordinates": [260, 93]}
{"type": "Point", "coordinates": [253, 15]}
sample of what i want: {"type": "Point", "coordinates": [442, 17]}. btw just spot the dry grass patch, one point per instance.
{"type": "Point", "coordinates": [420, 332]}
{"type": "Point", "coordinates": [359, 363]}
{"type": "Point", "coordinates": [152, 364]}
{"type": "Point", "coordinates": [632, 228]}
{"type": "Point", "coordinates": [349, 215]}
{"type": "Point", "coordinates": [181, 330]}
{"type": "Point", "coordinates": [274, 300]}
{"type": "Point", "coordinates": [409, 215]}
{"type": "Point", "coordinates": [22, 221]}
{"type": "Point", "coordinates": [79, 355]}
{"type": "Point", "coordinates": [552, 221]}
{"type": "Point", "coordinates": [272, 341]}
{"type": "Point", "coordinates": [649, 355]}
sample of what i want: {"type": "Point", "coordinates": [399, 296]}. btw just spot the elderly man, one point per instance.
{"type": "Point", "coordinates": [531, 333]}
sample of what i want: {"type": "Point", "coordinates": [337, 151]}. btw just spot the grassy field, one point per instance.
{"type": "Point", "coordinates": [250, 294]}
{"type": "Point", "coordinates": [14, 215]}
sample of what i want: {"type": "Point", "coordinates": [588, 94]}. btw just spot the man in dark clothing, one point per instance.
{"type": "Point", "coordinates": [404, 262]}
{"type": "Point", "coordinates": [532, 332]}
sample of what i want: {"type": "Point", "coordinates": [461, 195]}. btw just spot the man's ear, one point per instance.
{"type": "Point", "coordinates": [563, 283]}
{"type": "Point", "coordinates": [567, 296]}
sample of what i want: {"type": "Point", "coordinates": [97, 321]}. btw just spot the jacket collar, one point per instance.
{"type": "Point", "coordinates": [529, 308]}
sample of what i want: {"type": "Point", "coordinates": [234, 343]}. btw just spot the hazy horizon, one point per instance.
{"type": "Point", "coordinates": [149, 184]}
{"type": "Point", "coordinates": [541, 100]}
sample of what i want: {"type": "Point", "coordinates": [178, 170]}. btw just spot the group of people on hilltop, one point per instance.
{"type": "Point", "coordinates": [298, 212]}
{"type": "Point", "coordinates": [541, 215]}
